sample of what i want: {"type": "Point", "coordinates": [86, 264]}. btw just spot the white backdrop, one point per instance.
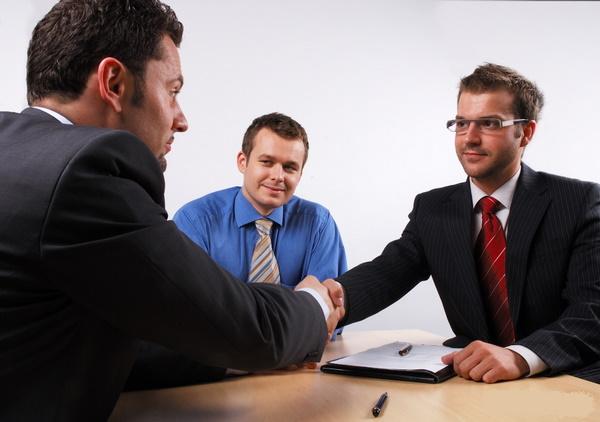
{"type": "Point", "coordinates": [373, 83]}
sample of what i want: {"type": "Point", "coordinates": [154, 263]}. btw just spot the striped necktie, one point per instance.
{"type": "Point", "coordinates": [490, 256]}
{"type": "Point", "coordinates": [264, 268]}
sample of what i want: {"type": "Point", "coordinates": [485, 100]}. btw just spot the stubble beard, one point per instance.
{"type": "Point", "coordinates": [162, 163]}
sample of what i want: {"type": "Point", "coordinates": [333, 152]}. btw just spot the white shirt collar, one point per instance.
{"type": "Point", "coordinates": [504, 193]}
{"type": "Point", "coordinates": [56, 115]}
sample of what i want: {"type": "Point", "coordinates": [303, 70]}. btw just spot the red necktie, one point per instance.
{"type": "Point", "coordinates": [490, 255]}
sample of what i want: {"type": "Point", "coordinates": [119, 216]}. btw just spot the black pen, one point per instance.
{"type": "Point", "coordinates": [405, 349]}
{"type": "Point", "coordinates": [379, 405]}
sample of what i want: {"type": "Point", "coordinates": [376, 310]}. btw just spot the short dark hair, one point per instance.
{"type": "Point", "coordinates": [282, 125]}
{"type": "Point", "coordinates": [75, 35]}
{"type": "Point", "coordinates": [528, 99]}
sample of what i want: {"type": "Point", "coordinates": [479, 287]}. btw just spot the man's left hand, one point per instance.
{"type": "Point", "coordinates": [481, 361]}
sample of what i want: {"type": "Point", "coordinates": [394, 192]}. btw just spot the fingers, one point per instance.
{"type": "Point", "coordinates": [309, 281]}
{"type": "Point", "coordinates": [299, 366]}
{"type": "Point", "coordinates": [313, 283]}
{"type": "Point", "coordinates": [310, 365]}
{"type": "Point", "coordinates": [335, 313]}
{"type": "Point", "coordinates": [448, 359]}
{"type": "Point", "coordinates": [333, 294]}
{"type": "Point", "coordinates": [481, 361]}
{"type": "Point", "coordinates": [334, 318]}
{"type": "Point", "coordinates": [336, 292]}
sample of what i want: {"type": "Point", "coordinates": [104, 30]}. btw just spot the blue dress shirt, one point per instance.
{"type": "Point", "coordinates": [305, 238]}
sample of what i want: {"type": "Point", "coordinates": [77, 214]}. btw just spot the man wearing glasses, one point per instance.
{"type": "Point", "coordinates": [513, 253]}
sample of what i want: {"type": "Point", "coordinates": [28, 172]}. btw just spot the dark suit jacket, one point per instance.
{"type": "Point", "coordinates": [89, 263]}
{"type": "Point", "coordinates": [552, 264]}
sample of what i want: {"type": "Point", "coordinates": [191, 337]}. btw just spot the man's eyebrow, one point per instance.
{"type": "Point", "coordinates": [489, 116]}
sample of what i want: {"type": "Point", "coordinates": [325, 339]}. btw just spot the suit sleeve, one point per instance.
{"type": "Point", "coordinates": [572, 340]}
{"type": "Point", "coordinates": [107, 244]}
{"type": "Point", "coordinates": [375, 285]}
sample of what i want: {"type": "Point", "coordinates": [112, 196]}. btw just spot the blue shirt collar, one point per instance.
{"type": "Point", "coordinates": [245, 213]}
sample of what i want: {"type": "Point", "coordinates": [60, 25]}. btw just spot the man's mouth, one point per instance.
{"type": "Point", "coordinates": [470, 153]}
{"type": "Point", "coordinates": [168, 146]}
{"type": "Point", "coordinates": [274, 188]}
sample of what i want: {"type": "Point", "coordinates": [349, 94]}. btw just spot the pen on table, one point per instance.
{"type": "Point", "coordinates": [405, 349]}
{"type": "Point", "coordinates": [379, 405]}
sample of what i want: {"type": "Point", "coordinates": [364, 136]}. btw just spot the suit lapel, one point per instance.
{"type": "Point", "coordinates": [458, 212]}
{"type": "Point", "coordinates": [529, 205]}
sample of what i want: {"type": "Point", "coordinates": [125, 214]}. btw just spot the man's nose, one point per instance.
{"type": "Point", "coordinates": [473, 133]}
{"type": "Point", "coordinates": [277, 172]}
{"type": "Point", "coordinates": [180, 123]}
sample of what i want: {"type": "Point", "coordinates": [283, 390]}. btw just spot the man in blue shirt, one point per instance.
{"type": "Point", "coordinates": [305, 239]}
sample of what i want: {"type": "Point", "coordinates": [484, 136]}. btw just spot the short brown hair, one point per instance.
{"type": "Point", "coordinates": [75, 35]}
{"type": "Point", "coordinates": [528, 99]}
{"type": "Point", "coordinates": [282, 125]}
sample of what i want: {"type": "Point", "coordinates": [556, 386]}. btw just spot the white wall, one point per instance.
{"type": "Point", "coordinates": [373, 83]}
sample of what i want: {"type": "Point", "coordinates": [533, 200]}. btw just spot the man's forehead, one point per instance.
{"type": "Point", "coordinates": [496, 94]}
{"type": "Point", "coordinates": [497, 100]}
{"type": "Point", "coordinates": [168, 58]}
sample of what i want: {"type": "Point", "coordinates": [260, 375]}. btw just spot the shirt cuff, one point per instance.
{"type": "Point", "coordinates": [536, 364]}
{"type": "Point", "coordinates": [318, 298]}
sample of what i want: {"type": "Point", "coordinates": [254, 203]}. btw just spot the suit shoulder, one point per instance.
{"type": "Point", "coordinates": [558, 180]}
{"type": "Point", "coordinates": [55, 149]}
{"type": "Point", "coordinates": [438, 195]}
{"type": "Point", "coordinates": [562, 185]}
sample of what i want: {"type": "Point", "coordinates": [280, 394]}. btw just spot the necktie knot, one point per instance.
{"type": "Point", "coordinates": [263, 226]}
{"type": "Point", "coordinates": [489, 205]}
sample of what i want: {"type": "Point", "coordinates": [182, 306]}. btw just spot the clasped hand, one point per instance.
{"type": "Point", "coordinates": [332, 294]}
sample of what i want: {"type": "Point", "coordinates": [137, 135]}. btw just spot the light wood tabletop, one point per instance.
{"type": "Point", "coordinates": [310, 395]}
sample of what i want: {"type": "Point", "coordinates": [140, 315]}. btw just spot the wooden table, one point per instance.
{"type": "Point", "coordinates": [309, 395]}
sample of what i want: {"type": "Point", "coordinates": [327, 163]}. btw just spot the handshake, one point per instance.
{"type": "Point", "coordinates": [332, 294]}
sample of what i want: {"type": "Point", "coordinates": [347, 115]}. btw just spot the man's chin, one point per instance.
{"type": "Point", "coordinates": [162, 163]}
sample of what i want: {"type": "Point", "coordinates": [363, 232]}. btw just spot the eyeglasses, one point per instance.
{"type": "Point", "coordinates": [485, 125]}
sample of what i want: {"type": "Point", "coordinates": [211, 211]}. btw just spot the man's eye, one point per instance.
{"type": "Point", "coordinates": [461, 124]}
{"type": "Point", "coordinates": [489, 123]}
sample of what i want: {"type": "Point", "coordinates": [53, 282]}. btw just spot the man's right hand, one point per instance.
{"type": "Point", "coordinates": [336, 312]}
{"type": "Point", "coordinates": [336, 293]}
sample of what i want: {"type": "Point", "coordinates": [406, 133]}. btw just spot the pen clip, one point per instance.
{"type": "Point", "coordinates": [405, 349]}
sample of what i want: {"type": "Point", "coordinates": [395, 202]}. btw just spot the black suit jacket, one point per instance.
{"type": "Point", "coordinates": [552, 264]}
{"type": "Point", "coordinates": [89, 263]}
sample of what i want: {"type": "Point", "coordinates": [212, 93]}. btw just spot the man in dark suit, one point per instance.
{"type": "Point", "coordinates": [88, 261]}
{"type": "Point", "coordinates": [523, 298]}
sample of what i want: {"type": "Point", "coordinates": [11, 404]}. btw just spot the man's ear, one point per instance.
{"type": "Point", "coordinates": [112, 80]}
{"type": "Point", "coordinates": [528, 131]}
{"type": "Point", "coordinates": [242, 162]}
